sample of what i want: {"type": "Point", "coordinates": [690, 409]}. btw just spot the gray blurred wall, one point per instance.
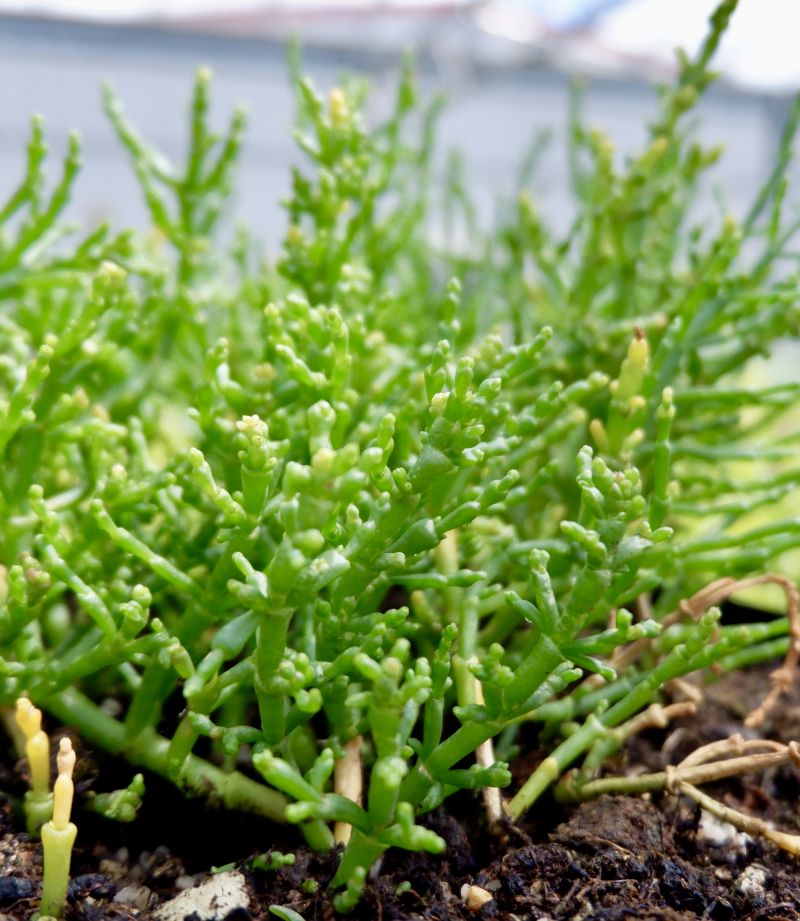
{"type": "Point", "coordinates": [55, 68]}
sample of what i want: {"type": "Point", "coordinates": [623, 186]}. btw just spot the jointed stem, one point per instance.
{"type": "Point", "coordinates": [150, 750]}
{"type": "Point", "coordinates": [570, 791]}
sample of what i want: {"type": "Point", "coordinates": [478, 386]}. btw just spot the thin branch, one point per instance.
{"type": "Point", "coordinates": [714, 761]}
{"type": "Point", "coordinates": [714, 594]}
{"type": "Point", "coordinates": [746, 823]}
{"type": "Point", "coordinates": [693, 772]}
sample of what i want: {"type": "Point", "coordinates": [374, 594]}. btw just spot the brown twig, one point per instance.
{"type": "Point", "coordinates": [694, 772]}
{"type": "Point", "coordinates": [783, 677]}
{"type": "Point", "coordinates": [746, 823]}
{"type": "Point", "coordinates": [735, 746]}
{"type": "Point", "coordinates": [751, 825]}
{"type": "Point", "coordinates": [688, 691]}
{"type": "Point", "coordinates": [715, 761]}
{"type": "Point", "coordinates": [658, 716]}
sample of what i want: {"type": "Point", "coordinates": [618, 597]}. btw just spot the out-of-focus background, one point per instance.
{"type": "Point", "coordinates": [505, 66]}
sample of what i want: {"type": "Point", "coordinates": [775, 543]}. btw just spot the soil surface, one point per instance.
{"type": "Point", "coordinates": [654, 858]}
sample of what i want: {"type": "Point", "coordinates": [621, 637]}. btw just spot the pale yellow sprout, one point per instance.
{"type": "Point", "coordinates": [37, 745]}
{"type": "Point", "coordinates": [58, 835]}
{"type": "Point", "coordinates": [339, 109]}
{"type": "Point", "coordinates": [634, 368]}
{"type": "Point", "coordinates": [63, 789]}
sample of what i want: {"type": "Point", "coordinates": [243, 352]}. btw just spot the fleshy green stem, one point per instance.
{"type": "Point", "coordinates": [57, 844]}
{"type": "Point", "coordinates": [150, 750]}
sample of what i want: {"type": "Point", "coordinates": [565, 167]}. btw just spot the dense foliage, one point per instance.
{"type": "Point", "coordinates": [252, 512]}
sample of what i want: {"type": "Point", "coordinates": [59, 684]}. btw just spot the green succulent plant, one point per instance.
{"type": "Point", "coordinates": [339, 496]}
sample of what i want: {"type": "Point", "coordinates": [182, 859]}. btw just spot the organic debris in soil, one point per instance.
{"type": "Point", "coordinates": [614, 859]}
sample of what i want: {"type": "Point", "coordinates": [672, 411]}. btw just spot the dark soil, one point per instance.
{"type": "Point", "coordinates": [649, 858]}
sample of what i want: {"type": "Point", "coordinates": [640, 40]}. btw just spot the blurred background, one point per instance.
{"type": "Point", "coordinates": [504, 65]}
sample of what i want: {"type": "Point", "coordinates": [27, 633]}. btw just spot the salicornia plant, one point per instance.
{"type": "Point", "coordinates": [58, 835]}
{"type": "Point", "coordinates": [344, 508]}
{"type": "Point", "coordinates": [48, 814]}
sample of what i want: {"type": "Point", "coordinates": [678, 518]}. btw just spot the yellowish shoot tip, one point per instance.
{"type": "Point", "coordinates": [63, 789]}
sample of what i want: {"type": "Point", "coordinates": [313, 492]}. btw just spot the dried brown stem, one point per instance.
{"type": "Point", "coordinates": [735, 746]}
{"type": "Point", "coordinates": [693, 773]}
{"type": "Point", "coordinates": [658, 716]}
{"type": "Point", "coordinates": [746, 823]}
{"type": "Point", "coordinates": [783, 677]}
{"type": "Point", "coordinates": [726, 758]}
{"type": "Point", "coordinates": [690, 692]}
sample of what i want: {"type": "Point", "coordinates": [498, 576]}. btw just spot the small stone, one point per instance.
{"type": "Point", "coordinates": [475, 897]}
{"type": "Point", "coordinates": [213, 900]}
{"type": "Point", "coordinates": [136, 897]}
{"type": "Point", "coordinates": [96, 885]}
{"type": "Point", "coordinates": [716, 833]}
{"type": "Point", "coordinates": [751, 882]}
{"type": "Point", "coordinates": [14, 888]}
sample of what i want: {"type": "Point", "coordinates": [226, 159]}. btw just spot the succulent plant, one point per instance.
{"type": "Point", "coordinates": [343, 502]}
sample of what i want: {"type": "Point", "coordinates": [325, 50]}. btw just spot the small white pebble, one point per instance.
{"type": "Point", "coordinates": [210, 901]}
{"type": "Point", "coordinates": [717, 833]}
{"type": "Point", "coordinates": [751, 882]}
{"type": "Point", "coordinates": [475, 897]}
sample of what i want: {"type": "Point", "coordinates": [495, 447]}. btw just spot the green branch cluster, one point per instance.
{"type": "Point", "coordinates": [335, 495]}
